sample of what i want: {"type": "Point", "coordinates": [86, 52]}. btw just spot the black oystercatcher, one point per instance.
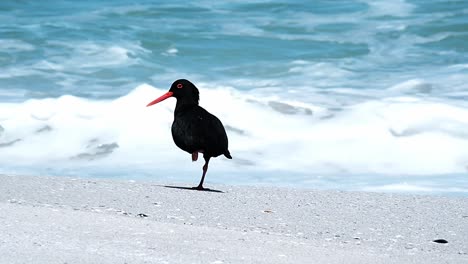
{"type": "Point", "coordinates": [194, 129]}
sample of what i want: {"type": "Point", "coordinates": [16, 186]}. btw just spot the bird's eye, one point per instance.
{"type": "Point", "coordinates": [179, 85]}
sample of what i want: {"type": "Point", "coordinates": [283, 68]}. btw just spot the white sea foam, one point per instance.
{"type": "Point", "coordinates": [372, 87]}
{"type": "Point", "coordinates": [171, 52]}
{"type": "Point", "coordinates": [394, 7]}
{"type": "Point", "coordinates": [414, 85]}
{"type": "Point", "coordinates": [318, 70]}
{"type": "Point", "coordinates": [392, 136]}
{"type": "Point", "coordinates": [85, 55]}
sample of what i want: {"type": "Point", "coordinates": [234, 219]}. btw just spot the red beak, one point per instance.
{"type": "Point", "coordinates": [161, 98]}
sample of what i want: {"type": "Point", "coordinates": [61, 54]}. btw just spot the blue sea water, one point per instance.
{"type": "Point", "coordinates": [345, 94]}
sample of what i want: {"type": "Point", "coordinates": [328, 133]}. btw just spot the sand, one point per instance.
{"type": "Point", "coordinates": [66, 220]}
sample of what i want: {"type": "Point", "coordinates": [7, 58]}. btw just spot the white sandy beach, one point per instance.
{"type": "Point", "coordinates": [66, 220]}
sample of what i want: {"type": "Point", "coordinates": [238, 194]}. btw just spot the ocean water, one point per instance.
{"type": "Point", "coordinates": [349, 94]}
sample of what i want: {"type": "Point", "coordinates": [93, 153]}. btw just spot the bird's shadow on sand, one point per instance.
{"type": "Point", "coordinates": [191, 188]}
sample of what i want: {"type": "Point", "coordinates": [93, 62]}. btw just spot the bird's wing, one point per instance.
{"type": "Point", "coordinates": [200, 131]}
{"type": "Point", "coordinates": [213, 136]}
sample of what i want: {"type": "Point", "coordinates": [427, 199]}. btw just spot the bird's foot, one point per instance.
{"type": "Point", "coordinates": [200, 188]}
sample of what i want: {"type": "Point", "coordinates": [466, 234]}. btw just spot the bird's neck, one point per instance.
{"type": "Point", "coordinates": [183, 106]}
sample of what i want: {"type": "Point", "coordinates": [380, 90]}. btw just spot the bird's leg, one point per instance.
{"type": "Point", "coordinates": [205, 169]}
{"type": "Point", "coordinates": [195, 156]}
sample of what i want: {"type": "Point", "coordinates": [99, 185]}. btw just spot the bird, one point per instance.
{"type": "Point", "coordinates": [194, 129]}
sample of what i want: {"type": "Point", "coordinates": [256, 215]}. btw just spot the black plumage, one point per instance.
{"type": "Point", "coordinates": [194, 129]}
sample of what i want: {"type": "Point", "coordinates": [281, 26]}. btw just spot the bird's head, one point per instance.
{"type": "Point", "coordinates": [181, 89]}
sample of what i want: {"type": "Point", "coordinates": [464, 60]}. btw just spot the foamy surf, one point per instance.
{"type": "Point", "coordinates": [397, 135]}
{"type": "Point", "coordinates": [360, 94]}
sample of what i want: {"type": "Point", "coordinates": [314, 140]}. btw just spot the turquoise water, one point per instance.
{"type": "Point", "coordinates": [311, 90]}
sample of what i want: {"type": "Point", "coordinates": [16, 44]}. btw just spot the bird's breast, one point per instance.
{"type": "Point", "coordinates": [184, 133]}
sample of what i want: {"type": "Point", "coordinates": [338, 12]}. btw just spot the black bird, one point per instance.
{"type": "Point", "coordinates": [194, 129]}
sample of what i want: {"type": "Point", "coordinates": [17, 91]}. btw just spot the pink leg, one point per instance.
{"type": "Point", "coordinates": [195, 156]}
{"type": "Point", "coordinates": [205, 169]}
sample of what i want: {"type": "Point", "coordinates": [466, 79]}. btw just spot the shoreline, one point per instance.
{"type": "Point", "coordinates": [61, 219]}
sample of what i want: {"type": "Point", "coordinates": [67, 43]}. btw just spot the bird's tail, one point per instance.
{"type": "Point", "coordinates": [227, 154]}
